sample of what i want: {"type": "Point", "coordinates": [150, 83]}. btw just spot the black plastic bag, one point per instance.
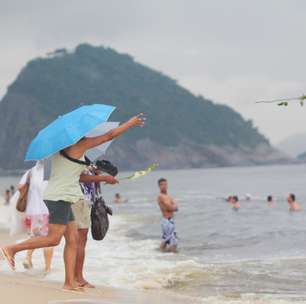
{"type": "Point", "coordinates": [107, 167]}
{"type": "Point", "coordinates": [99, 219]}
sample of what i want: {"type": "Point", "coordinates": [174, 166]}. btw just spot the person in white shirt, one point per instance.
{"type": "Point", "coordinates": [36, 214]}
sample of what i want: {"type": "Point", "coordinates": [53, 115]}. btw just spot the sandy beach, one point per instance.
{"type": "Point", "coordinates": [20, 288]}
{"type": "Point", "coordinates": [23, 287]}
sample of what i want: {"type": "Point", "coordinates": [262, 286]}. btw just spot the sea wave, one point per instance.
{"type": "Point", "coordinates": [121, 261]}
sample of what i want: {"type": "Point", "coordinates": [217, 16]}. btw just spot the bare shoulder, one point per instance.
{"type": "Point", "coordinates": [77, 150]}
{"type": "Point", "coordinates": [160, 197]}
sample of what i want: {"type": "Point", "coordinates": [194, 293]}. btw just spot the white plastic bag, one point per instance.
{"type": "Point", "coordinates": [17, 219]}
{"type": "Point", "coordinates": [36, 205]}
{"type": "Point", "coordinates": [37, 213]}
{"type": "Point", "coordinates": [34, 220]}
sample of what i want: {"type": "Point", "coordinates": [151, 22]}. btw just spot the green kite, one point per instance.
{"type": "Point", "coordinates": [141, 173]}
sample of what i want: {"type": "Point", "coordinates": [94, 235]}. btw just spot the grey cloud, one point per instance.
{"type": "Point", "coordinates": [231, 51]}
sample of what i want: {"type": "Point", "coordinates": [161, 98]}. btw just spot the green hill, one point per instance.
{"type": "Point", "coordinates": [182, 130]}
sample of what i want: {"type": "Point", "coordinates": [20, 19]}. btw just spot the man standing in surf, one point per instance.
{"type": "Point", "coordinates": [167, 207]}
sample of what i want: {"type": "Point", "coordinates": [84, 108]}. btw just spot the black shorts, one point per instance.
{"type": "Point", "coordinates": [60, 212]}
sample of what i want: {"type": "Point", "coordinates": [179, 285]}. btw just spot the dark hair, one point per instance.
{"type": "Point", "coordinates": [235, 198]}
{"type": "Point", "coordinates": [292, 196]}
{"type": "Point", "coordinates": [161, 180]}
{"type": "Point", "coordinates": [269, 198]}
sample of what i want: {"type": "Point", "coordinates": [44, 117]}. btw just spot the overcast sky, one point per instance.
{"type": "Point", "coordinates": [231, 51]}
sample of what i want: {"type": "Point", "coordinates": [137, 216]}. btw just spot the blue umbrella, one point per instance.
{"type": "Point", "coordinates": [66, 130]}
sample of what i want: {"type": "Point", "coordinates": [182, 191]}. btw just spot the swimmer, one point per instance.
{"type": "Point", "coordinates": [7, 197]}
{"type": "Point", "coordinates": [248, 197]}
{"type": "Point", "coordinates": [229, 199]}
{"type": "Point", "coordinates": [235, 203]}
{"type": "Point", "coordinates": [270, 201]}
{"type": "Point", "coordinates": [117, 198]}
{"type": "Point", "coordinates": [12, 189]}
{"type": "Point", "coordinates": [293, 205]}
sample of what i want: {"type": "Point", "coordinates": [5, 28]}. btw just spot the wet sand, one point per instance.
{"type": "Point", "coordinates": [20, 287]}
{"type": "Point", "coordinates": [17, 288]}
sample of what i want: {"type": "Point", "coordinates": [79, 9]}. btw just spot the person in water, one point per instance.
{"type": "Point", "coordinates": [89, 180]}
{"type": "Point", "coordinates": [62, 191]}
{"type": "Point", "coordinates": [117, 198]}
{"type": "Point", "coordinates": [12, 189]}
{"type": "Point", "coordinates": [7, 197]}
{"type": "Point", "coordinates": [229, 198]}
{"type": "Point", "coordinates": [248, 197]}
{"type": "Point", "coordinates": [167, 207]}
{"type": "Point", "coordinates": [293, 205]}
{"type": "Point", "coordinates": [270, 201]}
{"type": "Point", "coordinates": [235, 203]}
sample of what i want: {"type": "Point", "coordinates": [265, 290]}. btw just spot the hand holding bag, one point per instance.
{"type": "Point", "coordinates": [23, 195]}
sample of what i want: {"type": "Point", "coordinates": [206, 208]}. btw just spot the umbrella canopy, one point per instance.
{"type": "Point", "coordinates": [99, 151]}
{"type": "Point", "coordinates": [66, 130]}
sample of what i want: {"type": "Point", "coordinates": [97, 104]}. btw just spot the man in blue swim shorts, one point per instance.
{"type": "Point", "coordinates": [167, 207]}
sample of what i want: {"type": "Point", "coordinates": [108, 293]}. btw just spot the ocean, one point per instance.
{"type": "Point", "coordinates": [255, 255]}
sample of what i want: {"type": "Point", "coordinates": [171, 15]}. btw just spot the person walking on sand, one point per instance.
{"type": "Point", "coordinates": [62, 191]}
{"type": "Point", "coordinates": [293, 205]}
{"type": "Point", "coordinates": [36, 213]}
{"type": "Point", "coordinates": [167, 207]}
{"type": "Point", "coordinates": [90, 179]}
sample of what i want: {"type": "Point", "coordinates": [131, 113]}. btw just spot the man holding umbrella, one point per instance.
{"type": "Point", "coordinates": [67, 133]}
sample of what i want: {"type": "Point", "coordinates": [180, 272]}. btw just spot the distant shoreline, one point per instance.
{"type": "Point", "coordinates": [18, 172]}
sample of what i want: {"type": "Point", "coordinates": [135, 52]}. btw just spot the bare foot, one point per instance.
{"type": "Point", "coordinates": [9, 256]}
{"type": "Point", "coordinates": [73, 288]}
{"type": "Point", "coordinates": [47, 271]}
{"type": "Point", "coordinates": [86, 284]}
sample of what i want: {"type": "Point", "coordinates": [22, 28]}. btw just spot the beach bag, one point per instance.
{"type": "Point", "coordinates": [99, 211]}
{"type": "Point", "coordinates": [17, 218]}
{"type": "Point", "coordinates": [23, 195]}
{"type": "Point", "coordinates": [35, 203]}
{"type": "Point", "coordinates": [99, 219]}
